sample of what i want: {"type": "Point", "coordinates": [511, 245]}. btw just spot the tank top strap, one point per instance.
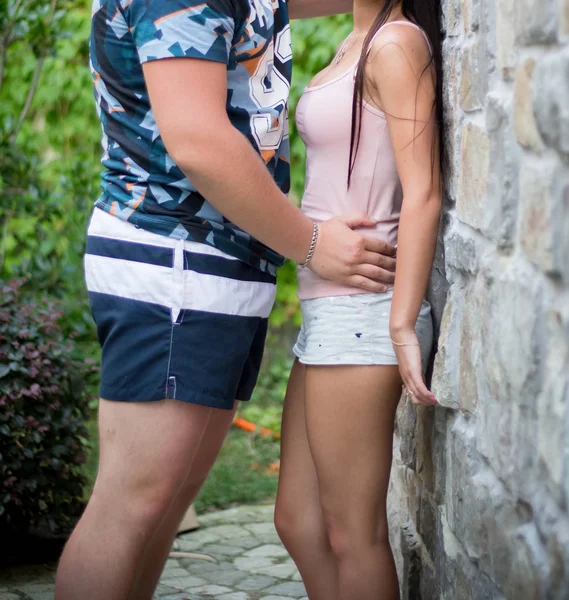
{"type": "Point", "coordinates": [409, 24]}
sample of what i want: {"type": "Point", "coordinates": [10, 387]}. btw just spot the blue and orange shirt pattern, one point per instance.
{"type": "Point", "coordinates": [141, 183]}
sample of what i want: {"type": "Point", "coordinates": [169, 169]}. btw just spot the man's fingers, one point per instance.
{"type": "Point", "coordinates": [367, 284]}
{"type": "Point", "coordinates": [380, 246]}
{"type": "Point", "coordinates": [376, 273]}
{"type": "Point", "coordinates": [379, 260]}
{"type": "Point", "coordinates": [359, 220]}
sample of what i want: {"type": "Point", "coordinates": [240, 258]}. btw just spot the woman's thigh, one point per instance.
{"type": "Point", "coordinates": [298, 495]}
{"type": "Point", "coordinates": [350, 414]}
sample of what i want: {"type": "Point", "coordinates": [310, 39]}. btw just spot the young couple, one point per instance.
{"type": "Point", "coordinates": [182, 250]}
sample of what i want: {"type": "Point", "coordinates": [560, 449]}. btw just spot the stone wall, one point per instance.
{"type": "Point", "coordinates": [480, 490]}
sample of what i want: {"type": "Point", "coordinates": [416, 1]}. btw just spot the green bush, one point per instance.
{"type": "Point", "coordinates": [43, 411]}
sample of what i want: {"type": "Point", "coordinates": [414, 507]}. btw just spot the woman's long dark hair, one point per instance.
{"type": "Point", "coordinates": [425, 14]}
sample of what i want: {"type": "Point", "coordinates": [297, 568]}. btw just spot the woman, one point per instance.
{"type": "Point", "coordinates": [370, 122]}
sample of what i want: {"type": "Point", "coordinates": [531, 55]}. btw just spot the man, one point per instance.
{"type": "Point", "coordinates": [181, 256]}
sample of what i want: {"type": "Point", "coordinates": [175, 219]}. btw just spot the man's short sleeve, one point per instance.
{"type": "Point", "coordinates": [179, 28]}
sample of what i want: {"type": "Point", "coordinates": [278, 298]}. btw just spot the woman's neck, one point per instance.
{"type": "Point", "coordinates": [365, 13]}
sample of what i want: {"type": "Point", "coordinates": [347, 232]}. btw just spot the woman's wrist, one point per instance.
{"type": "Point", "coordinates": [402, 333]}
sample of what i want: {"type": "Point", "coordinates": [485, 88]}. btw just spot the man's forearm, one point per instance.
{"type": "Point", "coordinates": [226, 170]}
{"type": "Point", "coordinates": [304, 9]}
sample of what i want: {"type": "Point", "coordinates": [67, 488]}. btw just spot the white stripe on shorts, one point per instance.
{"type": "Point", "coordinates": [166, 286]}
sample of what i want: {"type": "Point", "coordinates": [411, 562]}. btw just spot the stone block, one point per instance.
{"type": "Point", "coordinates": [560, 222]}
{"type": "Point", "coordinates": [553, 404]}
{"type": "Point", "coordinates": [471, 90]}
{"type": "Point", "coordinates": [499, 217]}
{"type": "Point", "coordinates": [537, 218]}
{"type": "Point", "coordinates": [473, 178]}
{"type": "Point", "coordinates": [470, 355]}
{"type": "Point", "coordinates": [451, 12]}
{"type": "Point", "coordinates": [506, 51]}
{"type": "Point", "coordinates": [536, 22]}
{"type": "Point", "coordinates": [524, 120]}
{"type": "Point", "coordinates": [544, 231]}
{"type": "Point", "coordinates": [550, 100]}
{"type": "Point", "coordinates": [446, 368]}
{"type": "Point", "coordinates": [470, 15]}
{"type": "Point", "coordinates": [510, 373]}
{"type": "Point", "coordinates": [406, 419]}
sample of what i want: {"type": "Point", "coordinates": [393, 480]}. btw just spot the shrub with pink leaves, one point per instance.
{"type": "Point", "coordinates": [43, 411]}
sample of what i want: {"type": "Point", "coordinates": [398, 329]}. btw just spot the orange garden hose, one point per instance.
{"type": "Point", "coordinates": [252, 428]}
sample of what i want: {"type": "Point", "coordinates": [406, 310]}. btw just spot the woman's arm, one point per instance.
{"type": "Point", "coordinates": [303, 9]}
{"type": "Point", "coordinates": [405, 91]}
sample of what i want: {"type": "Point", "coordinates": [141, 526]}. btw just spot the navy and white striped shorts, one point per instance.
{"type": "Point", "coordinates": [175, 319]}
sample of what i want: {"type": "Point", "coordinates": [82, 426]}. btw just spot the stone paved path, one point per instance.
{"type": "Point", "coordinates": [250, 564]}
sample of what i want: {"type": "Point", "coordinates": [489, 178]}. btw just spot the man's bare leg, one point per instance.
{"type": "Point", "coordinates": [160, 545]}
{"type": "Point", "coordinates": [146, 452]}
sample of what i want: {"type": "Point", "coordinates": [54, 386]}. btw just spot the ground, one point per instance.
{"type": "Point", "coordinates": [250, 564]}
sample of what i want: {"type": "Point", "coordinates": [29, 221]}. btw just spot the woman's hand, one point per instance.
{"type": "Point", "coordinates": [408, 352]}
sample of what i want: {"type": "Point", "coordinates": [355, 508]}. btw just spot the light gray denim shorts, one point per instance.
{"type": "Point", "coordinates": [354, 330]}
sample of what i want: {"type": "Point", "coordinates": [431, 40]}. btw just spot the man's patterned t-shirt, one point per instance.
{"type": "Point", "coordinates": [141, 183]}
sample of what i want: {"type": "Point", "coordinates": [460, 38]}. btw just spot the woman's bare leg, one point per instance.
{"type": "Point", "coordinates": [298, 514]}
{"type": "Point", "coordinates": [350, 413]}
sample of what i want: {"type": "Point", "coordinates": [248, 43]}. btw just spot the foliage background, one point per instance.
{"type": "Point", "coordinates": [49, 172]}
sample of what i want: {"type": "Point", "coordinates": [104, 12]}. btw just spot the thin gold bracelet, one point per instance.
{"type": "Point", "coordinates": [399, 344]}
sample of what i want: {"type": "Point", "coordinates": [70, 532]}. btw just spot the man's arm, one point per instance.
{"type": "Point", "coordinates": [188, 98]}
{"type": "Point", "coordinates": [303, 9]}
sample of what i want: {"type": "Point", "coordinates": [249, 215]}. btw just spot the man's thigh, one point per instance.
{"type": "Point", "coordinates": [148, 448]}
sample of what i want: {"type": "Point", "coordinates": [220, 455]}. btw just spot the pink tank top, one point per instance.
{"type": "Point", "coordinates": [324, 122]}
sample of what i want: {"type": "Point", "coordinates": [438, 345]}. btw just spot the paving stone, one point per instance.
{"type": "Point", "coordinates": [41, 595]}
{"type": "Point", "coordinates": [9, 596]}
{"type": "Point", "coordinates": [172, 572]}
{"type": "Point", "coordinates": [290, 588]}
{"type": "Point", "coordinates": [247, 541]}
{"type": "Point", "coordinates": [283, 571]}
{"type": "Point", "coordinates": [269, 550]}
{"type": "Point", "coordinates": [35, 588]}
{"type": "Point", "coordinates": [210, 589]}
{"type": "Point", "coordinates": [182, 596]}
{"type": "Point", "coordinates": [229, 577]}
{"type": "Point", "coordinates": [226, 532]}
{"type": "Point", "coordinates": [275, 597]}
{"type": "Point", "coordinates": [163, 590]}
{"type": "Point", "coordinates": [196, 539]}
{"type": "Point", "coordinates": [234, 596]}
{"type": "Point", "coordinates": [252, 564]}
{"type": "Point", "coordinates": [261, 528]}
{"type": "Point", "coordinates": [171, 562]}
{"type": "Point", "coordinates": [255, 582]}
{"type": "Point", "coordinates": [185, 582]}
{"type": "Point", "coordinates": [214, 549]}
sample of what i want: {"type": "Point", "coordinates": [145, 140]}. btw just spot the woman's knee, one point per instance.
{"type": "Point", "coordinates": [351, 537]}
{"type": "Point", "coordinates": [297, 524]}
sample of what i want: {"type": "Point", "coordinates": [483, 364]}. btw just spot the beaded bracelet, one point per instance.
{"type": "Point", "coordinates": [312, 247]}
